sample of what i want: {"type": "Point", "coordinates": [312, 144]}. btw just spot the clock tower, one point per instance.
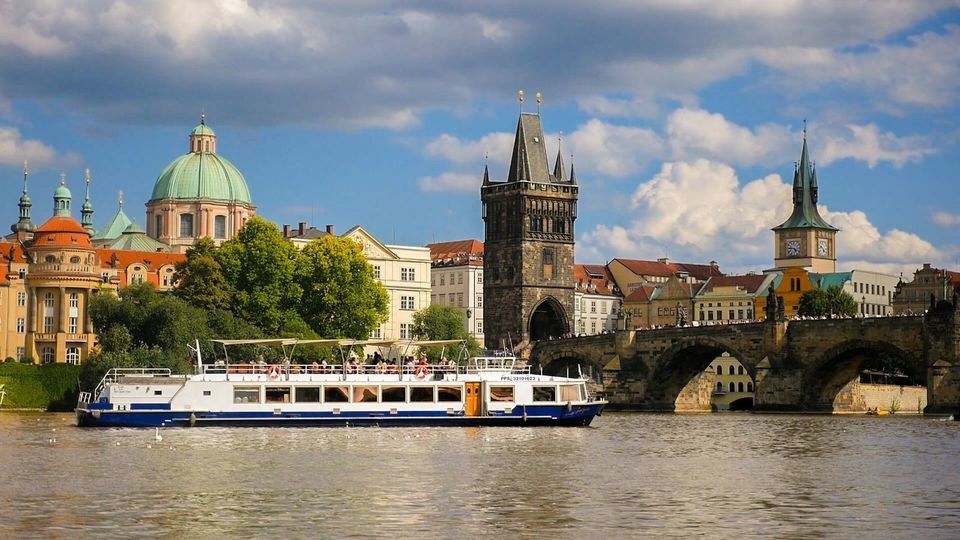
{"type": "Point", "coordinates": [805, 239]}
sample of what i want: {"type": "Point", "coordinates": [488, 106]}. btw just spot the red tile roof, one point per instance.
{"type": "Point", "coordinates": [644, 293]}
{"type": "Point", "coordinates": [61, 231]}
{"type": "Point", "coordinates": [442, 250]}
{"type": "Point", "coordinates": [750, 283]}
{"type": "Point", "coordinates": [594, 279]}
{"type": "Point", "coordinates": [18, 257]}
{"type": "Point", "coordinates": [700, 272]}
{"type": "Point", "coordinates": [153, 260]}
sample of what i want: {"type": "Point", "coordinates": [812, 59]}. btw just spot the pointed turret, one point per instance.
{"type": "Point", "coordinates": [558, 173]}
{"type": "Point", "coordinates": [115, 227]}
{"type": "Point", "coordinates": [86, 212]}
{"type": "Point", "coordinates": [24, 225]}
{"type": "Point", "coordinates": [486, 175]}
{"type": "Point", "coordinates": [573, 173]}
{"type": "Point", "coordinates": [805, 213]}
{"type": "Point", "coordinates": [529, 161]}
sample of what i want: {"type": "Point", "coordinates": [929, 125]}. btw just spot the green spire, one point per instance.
{"type": "Point", "coordinates": [24, 224]}
{"type": "Point", "coordinates": [805, 195]}
{"type": "Point", "coordinates": [62, 198]}
{"type": "Point", "coordinates": [86, 213]}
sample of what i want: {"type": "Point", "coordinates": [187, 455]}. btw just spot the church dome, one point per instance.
{"type": "Point", "coordinates": [202, 174]}
{"type": "Point", "coordinates": [62, 192]}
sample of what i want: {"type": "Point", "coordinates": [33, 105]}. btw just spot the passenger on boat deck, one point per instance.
{"type": "Point", "coordinates": [324, 368]}
{"type": "Point", "coordinates": [392, 367]}
{"type": "Point", "coordinates": [409, 365]}
{"type": "Point", "coordinates": [314, 367]}
{"type": "Point", "coordinates": [381, 366]}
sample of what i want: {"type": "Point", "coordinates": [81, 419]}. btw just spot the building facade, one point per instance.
{"type": "Point", "coordinates": [731, 299]}
{"type": "Point", "coordinates": [456, 279]}
{"type": "Point", "coordinates": [872, 291]}
{"type": "Point", "coordinates": [528, 220]}
{"type": "Point", "coordinates": [805, 239]}
{"type": "Point", "coordinates": [597, 300]}
{"type": "Point", "coordinates": [199, 194]}
{"type": "Point", "coordinates": [630, 274]}
{"type": "Point", "coordinates": [732, 387]}
{"type": "Point", "coordinates": [929, 285]}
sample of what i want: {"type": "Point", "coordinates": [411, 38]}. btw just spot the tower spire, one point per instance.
{"type": "Point", "coordinates": [24, 225]}
{"type": "Point", "coordinates": [86, 212]}
{"type": "Point", "coordinates": [573, 173]}
{"type": "Point", "coordinates": [62, 198]}
{"type": "Point", "coordinates": [558, 171]}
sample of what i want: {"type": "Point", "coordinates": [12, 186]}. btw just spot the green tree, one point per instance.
{"type": "Point", "coordinates": [199, 279]}
{"type": "Point", "coordinates": [813, 303]}
{"type": "Point", "coordinates": [341, 298]}
{"type": "Point", "coordinates": [443, 322]}
{"type": "Point", "coordinates": [832, 301]}
{"type": "Point", "coordinates": [259, 265]}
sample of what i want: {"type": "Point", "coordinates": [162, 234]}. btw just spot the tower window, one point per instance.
{"type": "Point", "coordinates": [186, 225]}
{"type": "Point", "coordinates": [548, 262]}
{"type": "Point", "coordinates": [158, 227]}
{"type": "Point", "coordinates": [220, 226]}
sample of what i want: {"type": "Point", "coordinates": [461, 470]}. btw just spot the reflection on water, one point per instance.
{"type": "Point", "coordinates": [660, 475]}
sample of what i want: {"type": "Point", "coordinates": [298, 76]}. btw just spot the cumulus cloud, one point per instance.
{"type": "Point", "coordinates": [697, 133]}
{"type": "Point", "coordinates": [866, 143]}
{"type": "Point", "coordinates": [14, 149]}
{"type": "Point", "coordinates": [699, 211]}
{"type": "Point", "coordinates": [946, 219]}
{"type": "Point", "coordinates": [451, 181]}
{"type": "Point", "coordinates": [463, 152]}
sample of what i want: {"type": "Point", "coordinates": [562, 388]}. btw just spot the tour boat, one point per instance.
{"type": "Point", "coordinates": [492, 390]}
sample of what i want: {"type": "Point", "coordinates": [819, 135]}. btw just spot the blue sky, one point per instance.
{"type": "Point", "coordinates": [683, 118]}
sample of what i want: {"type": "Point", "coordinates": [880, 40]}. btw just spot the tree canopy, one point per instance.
{"type": "Point", "coordinates": [199, 279]}
{"type": "Point", "coordinates": [443, 322]}
{"type": "Point", "coordinates": [832, 301]}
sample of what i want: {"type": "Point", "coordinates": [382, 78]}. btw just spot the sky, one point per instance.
{"type": "Point", "coordinates": [683, 118]}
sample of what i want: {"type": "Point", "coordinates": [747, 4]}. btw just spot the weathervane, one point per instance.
{"type": "Point", "coordinates": [520, 97]}
{"type": "Point", "coordinates": [539, 101]}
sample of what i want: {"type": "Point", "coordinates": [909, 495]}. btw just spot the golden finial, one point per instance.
{"type": "Point", "coordinates": [26, 168]}
{"type": "Point", "coordinates": [63, 178]}
{"type": "Point", "coordinates": [539, 101]}
{"type": "Point", "coordinates": [203, 117]}
{"type": "Point", "coordinates": [87, 175]}
{"type": "Point", "coordinates": [120, 199]}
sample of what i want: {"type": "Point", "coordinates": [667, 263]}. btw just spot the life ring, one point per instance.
{"type": "Point", "coordinates": [422, 373]}
{"type": "Point", "coordinates": [274, 374]}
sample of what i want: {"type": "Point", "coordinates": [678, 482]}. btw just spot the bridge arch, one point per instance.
{"type": "Point", "coordinates": [832, 370]}
{"type": "Point", "coordinates": [548, 319]}
{"type": "Point", "coordinates": [682, 362]}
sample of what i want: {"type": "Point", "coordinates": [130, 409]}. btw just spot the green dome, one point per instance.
{"type": "Point", "coordinates": [62, 192]}
{"type": "Point", "coordinates": [203, 129]}
{"type": "Point", "coordinates": [201, 176]}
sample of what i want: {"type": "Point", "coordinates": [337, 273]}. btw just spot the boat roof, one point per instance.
{"type": "Point", "coordinates": [339, 342]}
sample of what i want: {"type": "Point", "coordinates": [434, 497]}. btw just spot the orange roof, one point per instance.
{"type": "Point", "coordinates": [750, 283]}
{"type": "Point", "coordinates": [153, 260]}
{"type": "Point", "coordinates": [61, 231]}
{"type": "Point", "coordinates": [593, 279]}
{"type": "Point", "coordinates": [701, 272]}
{"type": "Point", "coordinates": [644, 293]}
{"type": "Point", "coordinates": [18, 257]}
{"type": "Point", "coordinates": [443, 250]}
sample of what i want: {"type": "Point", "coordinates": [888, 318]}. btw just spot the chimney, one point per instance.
{"type": "Point", "coordinates": [302, 228]}
{"type": "Point", "coordinates": [330, 229]}
{"type": "Point", "coordinates": [663, 260]}
{"type": "Point", "coordinates": [286, 231]}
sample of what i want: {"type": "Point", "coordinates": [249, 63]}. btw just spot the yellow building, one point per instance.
{"type": "Point", "coordinates": [732, 387]}
{"type": "Point", "coordinates": [790, 284]}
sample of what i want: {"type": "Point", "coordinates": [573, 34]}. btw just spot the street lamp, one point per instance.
{"type": "Point", "coordinates": [863, 306]}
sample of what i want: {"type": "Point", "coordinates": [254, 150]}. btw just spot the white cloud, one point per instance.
{"type": "Point", "coordinates": [698, 211]}
{"type": "Point", "coordinates": [696, 133]}
{"type": "Point", "coordinates": [14, 149]}
{"type": "Point", "coordinates": [867, 144]}
{"type": "Point", "coordinates": [450, 181]}
{"type": "Point", "coordinates": [634, 107]}
{"type": "Point", "coordinates": [612, 150]}
{"type": "Point", "coordinates": [946, 219]}
{"type": "Point", "coordinates": [461, 152]}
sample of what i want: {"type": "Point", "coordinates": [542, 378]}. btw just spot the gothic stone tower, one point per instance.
{"type": "Point", "coordinates": [528, 244]}
{"type": "Point", "coordinates": [805, 239]}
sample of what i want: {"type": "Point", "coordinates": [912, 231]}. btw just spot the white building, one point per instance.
{"type": "Point", "coordinates": [596, 304]}
{"type": "Point", "coordinates": [456, 280]}
{"type": "Point", "coordinates": [872, 291]}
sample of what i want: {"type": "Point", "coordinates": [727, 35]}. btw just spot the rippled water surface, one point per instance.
{"type": "Point", "coordinates": [630, 474]}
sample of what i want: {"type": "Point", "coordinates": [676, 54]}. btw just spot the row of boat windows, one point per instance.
{"type": "Point", "coordinates": [393, 394]}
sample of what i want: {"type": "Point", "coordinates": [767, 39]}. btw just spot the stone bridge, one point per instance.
{"type": "Point", "coordinates": [798, 365]}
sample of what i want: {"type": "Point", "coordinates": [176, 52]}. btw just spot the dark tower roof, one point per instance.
{"type": "Point", "coordinates": [529, 161]}
{"type": "Point", "coordinates": [558, 172]}
{"type": "Point", "coordinates": [805, 214]}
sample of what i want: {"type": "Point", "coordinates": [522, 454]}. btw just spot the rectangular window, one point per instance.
{"type": "Point", "coordinates": [20, 352]}
{"type": "Point", "coordinates": [731, 315]}
{"type": "Point", "coordinates": [593, 306]}
{"type": "Point", "coordinates": [48, 324]}
{"type": "Point", "coordinates": [569, 392]}
{"type": "Point", "coordinates": [406, 302]}
{"type": "Point", "coordinates": [364, 394]}
{"type": "Point", "coordinates": [158, 226]}
{"type": "Point", "coordinates": [740, 314]}
{"type": "Point", "coordinates": [376, 332]}
{"type": "Point", "coordinates": [459, 278]}
{"type": "Point", "coordinates": [480, 278]}
{"type": "Point", "coordinates": [220, 227]}
{"type": "Point", "coordinates": [443, 279]}
{"type": "Point", "coordinates": [73, 325]}
{"type": "Point", "coordinates": [593, 326]}
{"type": "Point", "coordinates": [408, 274]}
{"type": "Point", "coordinates": [21, 299]}
{"type": "Point", "coordinates": [443, 298]}
{"type": "Point", "coordinates": [421, 394]}
{"type": "Point", "coordinates": [21, 325]}
{"type": "Point", "coordinates": [393, 394]}
{"type": "Point", "coordinates": [479, 300]}
{"type": "Point", "coordinates": [460, 299]}
{"type": "Point", "coordinates": [544, 393]}
{"type": "Point", "coordinates": [376, 271]}
{"type": "Point", "coordinates": [501, 393]}
{"type": "Point", "coordinates": [278, 394]}
{"type": "Point", "coordinates": [246, 394]}
{"type": "Point", "coordinates": [336, 394]}
{"type": "Point", "coordinates": [307, 394]}
{"type": "Point", "coordinates": [186, 225]}
{"type": "Point", "coordinates": [449, 393]}
{"type": "Point", "coordinates": [404, 331]}
{"type": "Point", "coordinates": [547, 263]}
{"type": "Point", "coordinates": [603, 308]}
{"type": "Point", "coordinates": [479, 326]}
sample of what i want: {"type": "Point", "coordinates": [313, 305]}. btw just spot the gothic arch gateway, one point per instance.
{"type": "Point", "coordinates": [548, 320]}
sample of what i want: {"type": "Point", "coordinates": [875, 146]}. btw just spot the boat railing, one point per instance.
{"type": "Point", "coordinates": [115, 374]}
{"type": "Point", "coordinates": [418, 370]}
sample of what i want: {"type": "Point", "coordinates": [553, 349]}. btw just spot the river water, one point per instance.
{"type": "Point", "coordinates": [720, 475]}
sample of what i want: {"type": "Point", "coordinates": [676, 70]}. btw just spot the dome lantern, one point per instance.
{"type": "Point", "coordinates": [62, 198]}
{"type": "Point", "coordinates": [202, 138]}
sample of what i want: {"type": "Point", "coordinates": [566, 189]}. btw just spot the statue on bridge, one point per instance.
{"type": "Point", "coordinates": [681, 315]}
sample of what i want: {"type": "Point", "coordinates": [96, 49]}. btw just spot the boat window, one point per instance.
{"type": "Point", "coordinates": [393, 394]}
{"type": "Point", "coordinates": [501, 393]}
{"type": "Point", "coordinates": [246, 394]}
{"type": "Point", "coordinates": [421, 394]}
{"type": "Point", "coordinates": [583, 392]}
{"type": "Point", "coordinates": [569, 392]}
{"type": "Point", "coordinates": [308, 394]}
{"type": "Point", "coordinates": [364, 394]}
{"type": "Point", "coordinates": [336, 394]}
{"type": "Point", "coordinates": [449, 393]}
{"type": "Point", "coordinates": [278, 394]}
{"type": "Point", "coordinates": [544, 393]}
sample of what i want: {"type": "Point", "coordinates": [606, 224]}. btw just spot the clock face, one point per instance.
{"type": "Point", "coordinates": [822, 247]}
{"type": "Point", "coordinates": [793, 247]}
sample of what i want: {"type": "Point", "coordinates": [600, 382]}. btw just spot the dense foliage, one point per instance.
{"type": "Point", "coordinates": [833, 301]}
{"type": "Point", "coordinates": [443, 322]}
{"type": "Point", "coordinates": [52, 386]}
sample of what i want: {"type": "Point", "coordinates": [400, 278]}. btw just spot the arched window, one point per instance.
{"type": "Point", "coordinates": [220, 227]}
{"type": "Point", "coordinates": [719, 387]}
{"type": "Point", "coordinates": [730, 370]}
{"type": "Point", "coordinates": [733, 387]}
{"type": "Point", "coordinates": [47, 355]}
{"type": "Point", "coordinates": [749, 387]}
{"type": "Point", "coordinates": [740, 370]}
{"type": "Point", "coordinates": [158, 228]}
{"type": "Point", "coordinates": [73, 355]}
{"type": "Point", "coordinates": [719, 370]}
{"type": "Point", "coordinates": [739, 387]}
